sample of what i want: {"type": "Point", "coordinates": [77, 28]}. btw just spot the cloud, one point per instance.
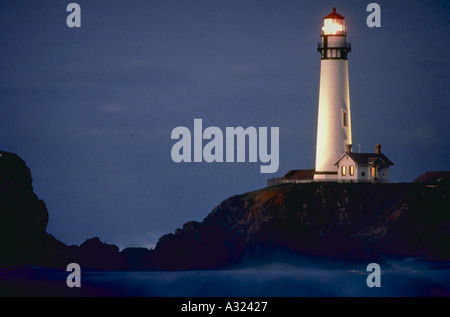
{"type": "Point", "coordinates": [133, 72]}
{"type": "Point", "coordinates": [112, 107]}
{"type": "Point", "coordinates": [245, 70]}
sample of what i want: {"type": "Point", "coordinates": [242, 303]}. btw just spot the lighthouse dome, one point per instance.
{"type": "Point", "coordinates": [334, 15]}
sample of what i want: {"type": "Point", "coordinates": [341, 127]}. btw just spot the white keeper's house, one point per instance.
{"type": "Point", "coordinates": [363, 167]}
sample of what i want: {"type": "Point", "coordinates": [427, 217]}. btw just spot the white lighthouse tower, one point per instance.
{"type": "Point", "coordinates": [335, 160]}
{"type": "Point", "coordinates": [334, 130]}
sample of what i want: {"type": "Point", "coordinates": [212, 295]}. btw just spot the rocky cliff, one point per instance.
{"type": "Point", "coordinates": [23, 217]}
{"type": "Point", "coordinates": [24, 240]}
{"type": "Point", "coordinates": [332, 220]}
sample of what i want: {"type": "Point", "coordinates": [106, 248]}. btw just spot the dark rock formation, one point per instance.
{"type": "Point", "coordinates": [23, 217]}
{"type": "Point", "coordinates": [23, 223]}
{"type": "Point", "coordinates": [97, 255]}
{"type": "Point", "coordinates": [136, 259]}
{"type": "Point", "coordinates": [342, 221]}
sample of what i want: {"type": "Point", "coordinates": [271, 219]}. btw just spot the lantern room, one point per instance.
{"type": "Point", "coordinates": [334, 24]}
{"type": "Point", "coordinates": [334, 32]}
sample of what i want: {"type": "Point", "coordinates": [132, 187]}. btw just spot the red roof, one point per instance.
{"type": "Point", "coordinates": [299, 174]}
{"type": "Point", "coordinates": [334, 15]}
{"type": "Point", "coordinates": [433, 177]}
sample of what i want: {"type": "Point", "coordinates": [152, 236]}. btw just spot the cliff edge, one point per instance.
{"type": "Point", "coordinates": [344, 221]}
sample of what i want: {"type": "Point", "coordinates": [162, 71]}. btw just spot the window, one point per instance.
{"type": "Point", "coordinates": [344, 118]}
{"type": "Point", "coordinates": [343, 170]}
{"type": "Point", "coordinates": [363, 173]}
{"type": "Point", "coordinates": [351, 170]}
{"type": "Point", "coordinates": [374, 171]}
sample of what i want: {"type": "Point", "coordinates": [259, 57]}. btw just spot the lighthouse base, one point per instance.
{"type": "Point", "coordinates": [326, 176]}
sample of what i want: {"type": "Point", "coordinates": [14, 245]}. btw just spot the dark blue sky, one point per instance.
{"type": "Point", "coordinates": [91, 110]}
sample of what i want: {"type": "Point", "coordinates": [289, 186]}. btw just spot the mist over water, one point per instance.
{"type": "Point", "coordinates": [399, 278]}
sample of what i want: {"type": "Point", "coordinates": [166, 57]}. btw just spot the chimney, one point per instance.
{"type": "Point", "coordinates": [378, 148]}
{"type": "Point", "coordinates": [348, 148]}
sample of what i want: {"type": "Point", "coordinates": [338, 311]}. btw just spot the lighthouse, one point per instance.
{"type": "Point", "coordinates": [334, 130]}
{"type": "Point", "coordinates": [335, 160]}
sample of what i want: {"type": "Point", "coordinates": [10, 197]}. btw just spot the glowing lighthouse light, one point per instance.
{"type": "Point", "coordinates": [332, 27]}
{"type": "Point", "coordinates": [334, 24]}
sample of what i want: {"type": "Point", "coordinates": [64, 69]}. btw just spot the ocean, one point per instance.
{"type": "Point", "coordinates": [403, 278]}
